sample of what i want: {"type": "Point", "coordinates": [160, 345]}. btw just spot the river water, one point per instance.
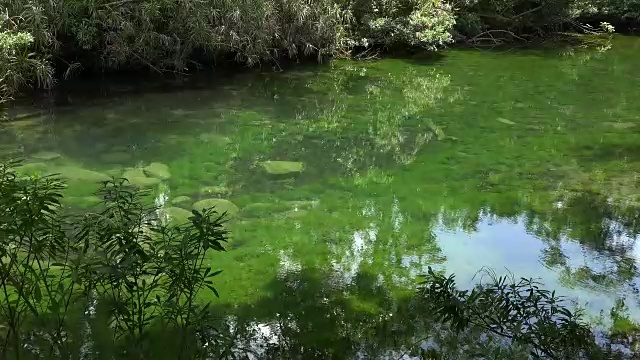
{"type": "Point", "coordinates": [524, 161]}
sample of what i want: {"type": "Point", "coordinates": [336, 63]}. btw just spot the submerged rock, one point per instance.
{"type": "Point", "coordinates": [258, 210]}
{"type": "Point", "coordinates": [177, 216]}
{"type": "Point", "coordinates": [73, 173]}
{"type": "Point", "coordinates": [46, 155]}
{"type": "Point", "coordinates": [505, 121]}
{"type": "Point", "coordinates": [181, 200]}
{"type": "Point", "coordinates": [117, 172]}
{"type": "Point", "coordinates": [31, 168]}
{"type": "Point", "coordinates": [219, 205]}
{"type": "Point", "coordinates": [143, 182]}
{"type": "Point", "coordinates": [282, 167]}
{"type": "Point", "coordinates": [138, 178]}
{"type": "Point", "coordinates": [133, 172]}
{"type": "Point", "coordinates": [158, 170]}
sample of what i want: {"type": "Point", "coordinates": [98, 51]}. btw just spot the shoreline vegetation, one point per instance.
{"type": "Point", "coordinates": [42, 42]}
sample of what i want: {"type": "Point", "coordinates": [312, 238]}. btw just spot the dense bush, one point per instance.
{"type": "Point", "coordinates": [510, 19]}
{"type": "Point", "coordinates": [612, 10]}
{"type": "Point", "coordinates": [423, 23]}
{"type": "Point", "coordinates": [167, 34]}
{"type": "Point", "coordinates": [171, 35]}
{"type": "Point", "coordinates": [517, 16]}
{"type": "Point", "coordinates": [180, 35]}
{"type": "Point", "coordinates": [18, 66]}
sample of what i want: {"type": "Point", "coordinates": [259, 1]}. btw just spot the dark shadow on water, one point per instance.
{"type": "Point", "coordinates": [306, 315]}
{"type": "Point", "coordinates": [311, 315]}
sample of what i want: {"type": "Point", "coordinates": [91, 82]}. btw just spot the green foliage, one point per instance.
{"type": "Point", "coordinates": [171, 34]}
{"type": "Point", "coordinates": [508, 19]}
{"type": "Point", "coordinates": [19, 67]}
{"type": "Point", "coordinates": [121, 262]}
{"type": "Point", "coordinates": [628, 10]}
{"type": "Point", "coordinates": [421, 23]}
{"type": "Point", "coordinates": [516, 16]}
{"type": "Point", "coordinates": [517, 310]}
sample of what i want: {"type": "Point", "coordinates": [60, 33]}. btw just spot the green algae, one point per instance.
{"type": "Point", "coordinates": [157, 170]}
{"type": "Point", "coordinates": [177, 216]}
{"type": "Point", "coordinates": [282, 167]}
{"type": "Point", "coordinates": [219, 205]}
{"type": "Point", "coordinates": [46, 155]}
{"type": "Point", "coordinates": [181, 201]}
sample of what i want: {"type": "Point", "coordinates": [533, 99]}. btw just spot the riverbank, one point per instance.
{"type": "Point", "coordinates": [43, 41]}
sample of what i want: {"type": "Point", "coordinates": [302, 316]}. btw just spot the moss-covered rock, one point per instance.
{"type": "Point", "coordinates": [181, 200]}
{"type": "Point", "coordinates": [219, 205]}
{"type": "Point", "coordinates": [46, 155]}
{"type": "Point", "coordinates": [116, 172]}
{"type": "Point", "coordinates": [138, 178]}
{"type": "Point", "coordinates": [177, 216]}
{"type": "Point", "coordinates": [133, 172]}
{"type": "Point", "coordinates": [505, 121]}
{"type": "Point", "coordinates": [144, 182]}
{"type": "Point", "coordinates": [75, 173]}
{"type": "Point", "coordinates": [31, 168]}
{"type": "Point", "coordinates": [157, 170]}
{"type": "Point", "coordinates": [118, 157]}
{"type": "Point", "coordinates": [259, 210]}
{"type": "Point", "coordinates": [282, 167]}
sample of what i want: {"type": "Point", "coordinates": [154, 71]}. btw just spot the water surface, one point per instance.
{"type": "Point", "coordinates": [524, 161]}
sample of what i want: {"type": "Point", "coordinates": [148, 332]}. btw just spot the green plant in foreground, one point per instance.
{"type": "Point", "coordinates": [122, 262]}
{"type": "Point", "coordinates": [519, 311]}
{"type": "Point", "coordinates": [35, 288]}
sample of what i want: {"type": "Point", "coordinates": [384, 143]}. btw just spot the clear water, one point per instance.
{"type": "Point", "coordinates": [523, 161]}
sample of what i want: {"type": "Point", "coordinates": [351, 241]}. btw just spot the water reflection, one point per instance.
{"type": "Point", "coordinates": [587, 244]}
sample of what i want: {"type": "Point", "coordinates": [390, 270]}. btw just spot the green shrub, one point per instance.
{"type": "Point", "coordinates": [516, 16]}
{"type": "Point", "coordinates": [622, 10]}
{"type": "Point", "coordinates": [170, 35]}
{"type": "Point", "coordinates": [423, 23]}
{"type": "Point", "coordinates": [121, 262]}
{"type": "Point", "coordinates": [19, 67]}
